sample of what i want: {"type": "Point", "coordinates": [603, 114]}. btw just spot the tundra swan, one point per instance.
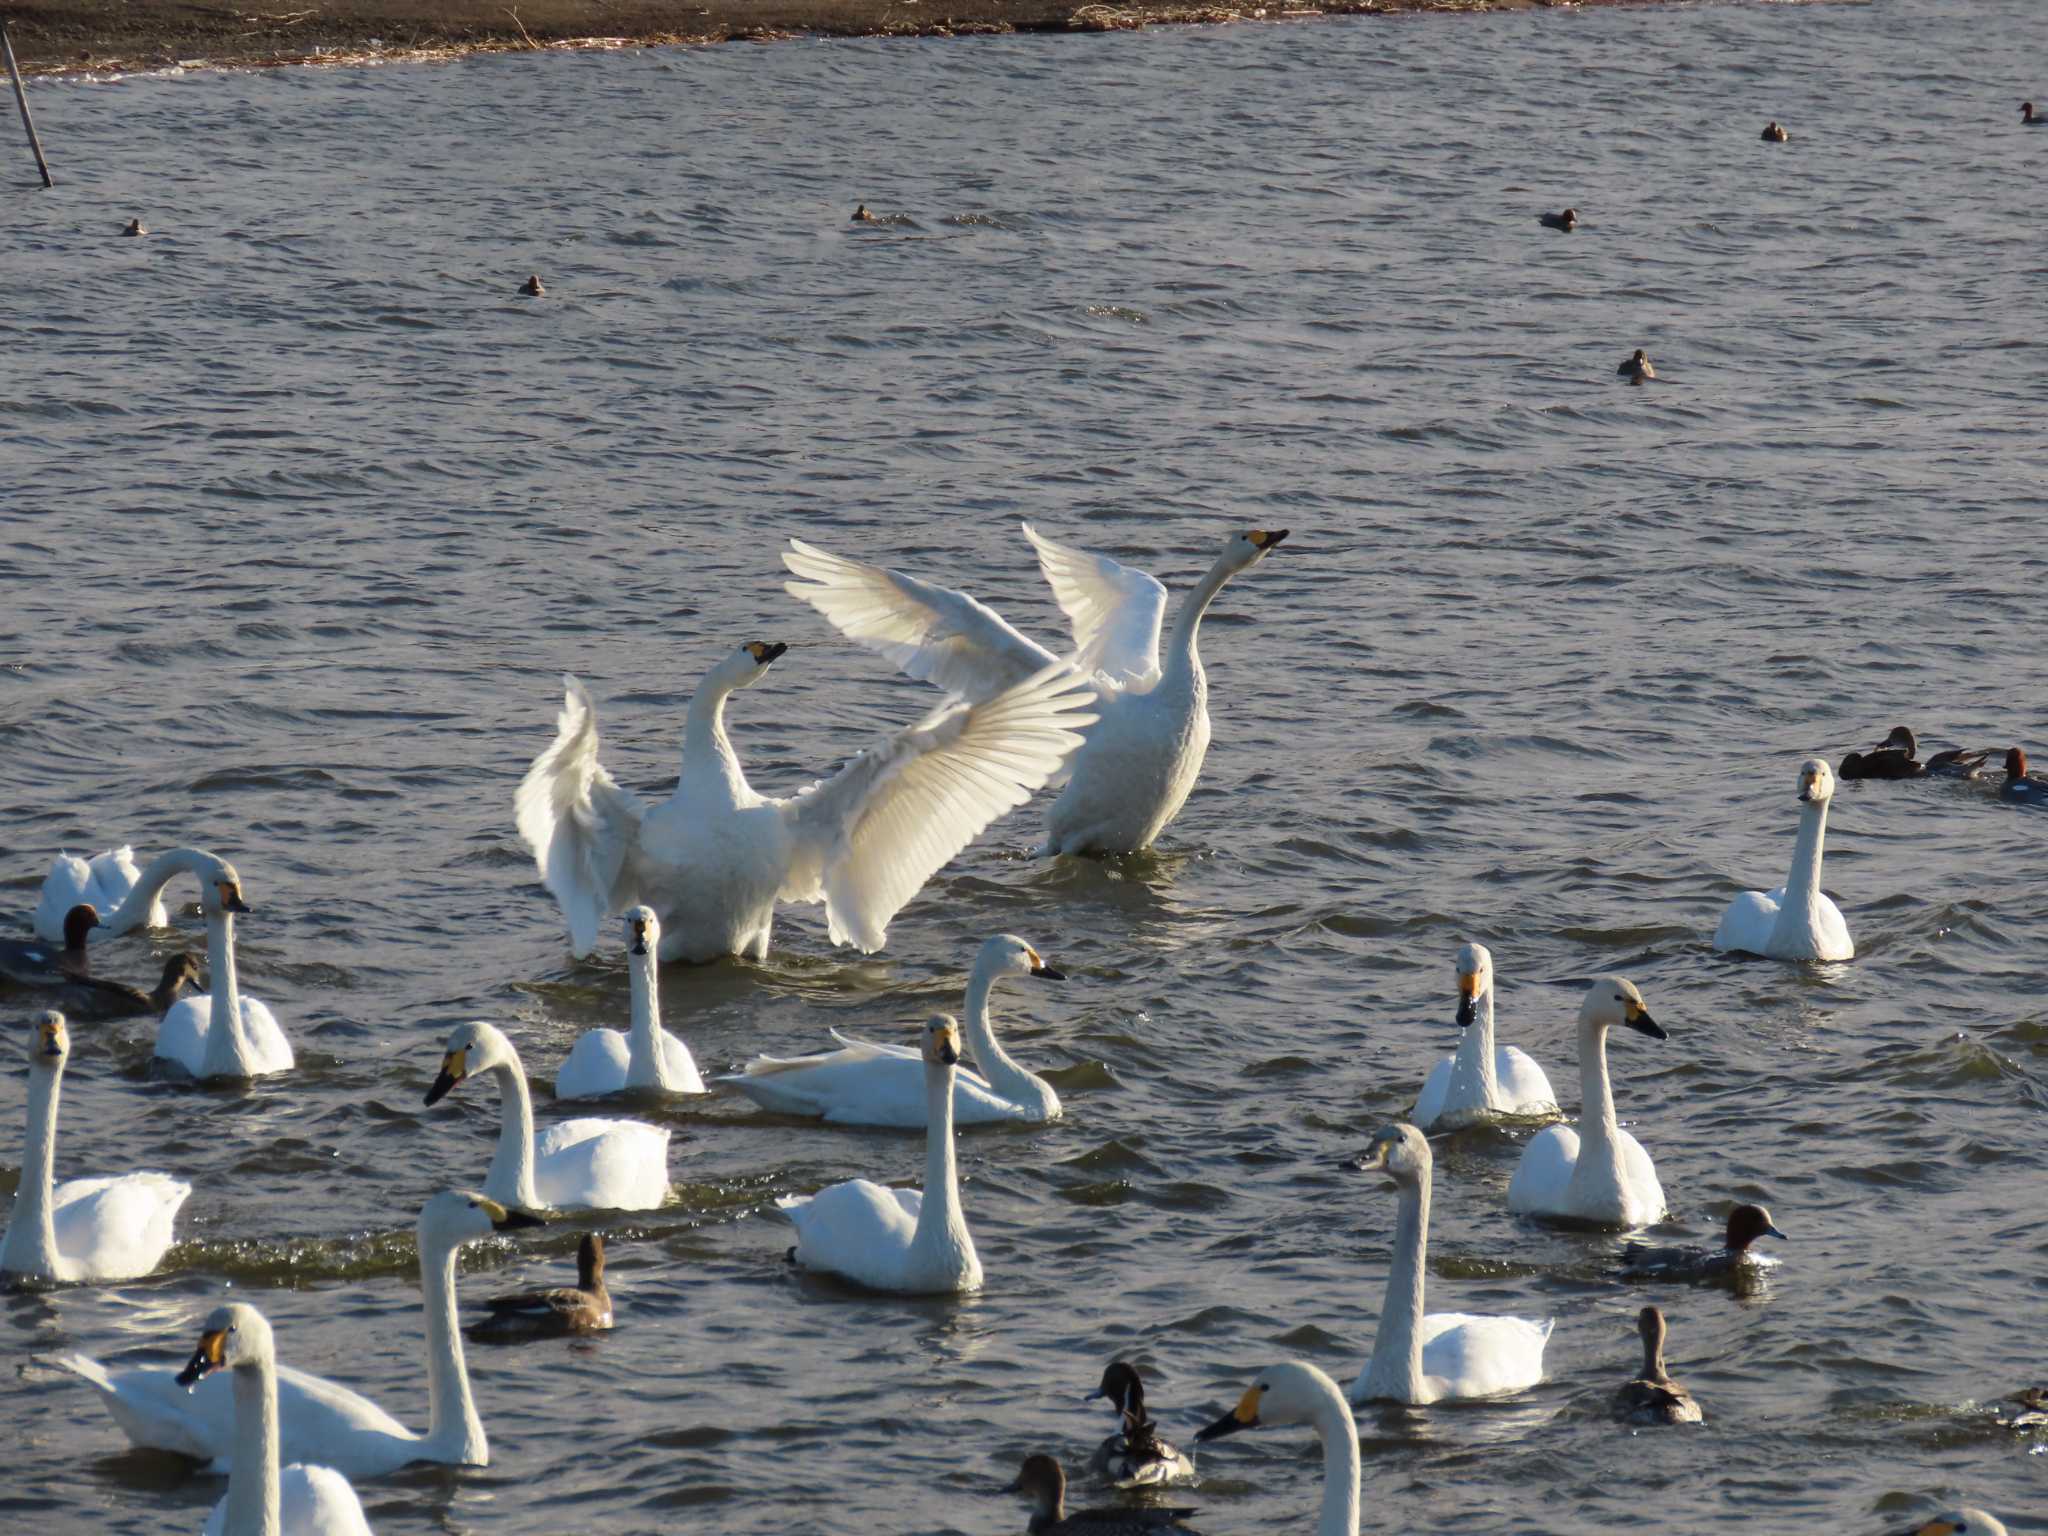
{"type": "Point", "coordinates": [1963, 1522]}
{"type": "Point", "coordinates": [1653, 1397]}
{"type": "Point", "coordinates": [1797, 921]}
{"type": "Point", "coordinates": [1135, 1456]}
{"type": "Point", "coordinates": [104, 883]}
{"type": "Point", "coordinates": [1298, 1393]}
{"type": "Point", "coordinates": [585, 1307]}
{"type": "Point", "coordinates": [1043, 1481]}
{"type": "Point", "coordinates": [646, 1056]}
{"type": "Point", "coordinates": [1481, 1080]}
{"type": "Point", "coordinates": [220, 1033]}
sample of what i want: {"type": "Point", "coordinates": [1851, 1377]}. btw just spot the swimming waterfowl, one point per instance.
{"type": "Point", "coordinates": [83, 1229]}
{"type": "Point", "coordinates": [2019, 785]}
{"type": "Point", "coordinates": [2029, 116]}
{"type": "Point", "coordinates": [1566, 221]}
{"type": "Point", "coordinates": [862, 216]}
{"type": "Point", "coordinates": [1746, 1223]}
{"type": "Point", "coordinates": [1299, 1393]}
{"type": "Point", "coordinates": [1594, 1172]}
{"type": "Point", "coordinates": [1636, 367]}
{"type": "Point", "coordinates": [903, 1240]}
{"type": "Point", "coordinates": [321, 1418]}
{"type": "Point", "coordinates": [715, 858]}
{"type": "Point", "coordinates": [134, 227]}
{"type": "Point", "coordinates": [264, 1499]}
{"type": "Point", "coordinates": [585, 1307]}
{"type": "Point", "coordinates": [1135, 1456]}
{"type": "Point", "coordinates": [104, 882]}
{"type": "Point", "coordinates": [1451, 1355]}
{"type": "Point", "coordinates": [34, 963]}
{"type": "Point", "coordinates": [65, 976]}
{"type": "Point", "coordinates": [532, 287]}
{"type": "Point", "coordinates": [1044, 1482]}
{"type": "Point", "coordinates": [2032, 1406]}
{"type": "Point", "coordinates": [1144, 752]}
{"type": "Point", "coordinates": [1961, 1522]}
{"type": "Point", "coordinates": [617, 1165]}
{"type": "Point", "coordinates": [1797, 921]}
{"type": "Point", "coordinates": [1774, 133]}
{"type": "Point", "coordinates": [1653, 1397]}
{"type": "Point", "coordinates": [645, 1057]}
{"type": "Point", "coordinates": [868, 1084]}
{"type": "Point", "coordinates": [220, 1033]}
{"type": "Point", "coordinates": [1897, 757]}
{"type": "Point", "coordinates": [1481, 1080]}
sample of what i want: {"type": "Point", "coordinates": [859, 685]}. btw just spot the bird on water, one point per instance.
{"type": "Point", "coordinates": [1636, 367]}
{"type": "Point", "coordinates": [1566, 221]}
{"type": "Point", "coordinates": [1774, 133]}
{"type": "Point", "coordinates": [532, 288]}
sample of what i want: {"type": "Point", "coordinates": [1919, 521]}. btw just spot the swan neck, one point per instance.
{"type": "Point", "coordinates": [707, 750]}
{"type": "Point", "coordinates": [940, 1222]}
{"type": "Point", "coordinates": [1182, 656]}
{"type": "Point", "coordinates": [1009, 1080]}
{"type": "Point", "coordinates": [1396, 1369]}
{"type": "Point", "coordinates": [510, 1181]}
{"type": "Point", "coordinates": [1339, 1434]}
{"type": "Point", "coordinates": [136, 905]}
{"type": "Point", "coordinates": [31, 1243]}
{"type": "Point", "coordinates": [1599, 1130]}
{"type": "Point", "coordinates": [1475, 1071]}
{"type": "Point", "coordinates": [645, 1063]}
{"type": "Point", "coordinates": [225, 1056]}
{"type": "Point", "coordinates": [452, 1422]}
{"type": "Point", "coordinates": [255, 1501]}
{"type": "Point", "coordinates": [1803, 883]}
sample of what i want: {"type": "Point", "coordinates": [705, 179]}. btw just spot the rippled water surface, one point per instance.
{"type": "Point", "coordinates": [307, 512]}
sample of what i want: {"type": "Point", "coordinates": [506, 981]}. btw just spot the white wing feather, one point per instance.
{"type": "Point", "coordinates": [1115, 611]}
{"type": "Point", "coordinates": [580, 825]}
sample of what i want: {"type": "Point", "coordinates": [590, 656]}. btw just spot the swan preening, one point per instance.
{"type": "Point", "coordinates": [645, 1057]}
{"type": "Point", "coordinates": [1452, 1355]}
{"type": "Point", "coordinates": [1043, 1481]}
{"type": "Point", "coordinates": [83, 1229]}
{"type": "Point", "coordinates": [103, 882]}
{"type": "Point", "coordinates": [317, 1418]}
{"type": "Point", "coordinates": [867, 1084]}
{"type": "Point", "coordinates": [1596, 1172]}
{"type": "Point", "coordinates": [1144, 753]}
{"type": "Point", "coordinates": [904, 1240]}
{"type": "Point", "coordinates": [1653, 1397]}
{"type": "Point", "coordinates": [1298, 1393]}
{"type": "Point", "coordinates": [1797, 921]}
{"type": "Point", "coordinates": [619, 1165]}
{"type": "Point", "coordinates": [1482, 1079]}
{"type": "Point", "coordinates": [716, 856]}
{"type": "Point", "coordinates": [1135, 1456]}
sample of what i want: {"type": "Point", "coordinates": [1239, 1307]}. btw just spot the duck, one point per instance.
{"type": "Point", "coordinates": [715, 858]}
{"type": "Point", "coordinates": [863, 1083]}
{"type": "Point", "coordinates": [585, 1307]}
{"type": "Point", "coordinates": [2019, 786]}
{"type": "Point", "coordinates": [647, 1056]}
{"type": "Point", "coordinates": [1144, 751]}
{"type": "Point", "coordinates": [1296, 1392]}
{"type": "Point", "coordinates": [1774, 133]}
{"type": "Point", "coordinates": [1897, 757]}
{"type": "Point", "coordinates": [1746, 1223]}
{"type": "Point", "coordinates": [1043, 1481]}
{"type": "Point", "coordinates": [134, 227]}
{"type": "Point", "coordinates": [1653, 1397]}
{"type": "Point", "coordinates": [1566, 221]}
{"type": "Point", "coordinates": [221, 1033]}
{"type": "Point", "coordinates": [83, 1230]}
{"type": "Point", "coordinates": [104, 882]}
{"type": "Point", "coordinates": [616, 1165]}
{"type": "Point", "coordinates": [67, 974]}
{"type": "Point", "coordinates": [533, 288]}
{"type": "Point", "coordinates": [1452, 1356]}
{"type": "Point", "coordinates": [1636, 367]}
{"type": "Point", "coordinates": [902, 1240]}
{"type": "Point", "coordinates": [264, 1499]}
{"type": "Point", "coordinates": [1135, 1456]}
{"type": "Point", "coordinates": [2032, 1414]}
{"type": "Point", "coordinates": [2029, 116]}
{"type": "Point", "coordinates": [1594, 1173]}
{"type": "Point", "coordinates": [862, 216]}
{"type": "Point", "coordinates": [1481, 1080]}
{"type": "Point", "coordinates": [1797, 921]}
{"type": "Point", "coordinates": [35, 963]}
{"type": "Point", "coordinates": [322, 1418]}
{"type": "Point", "coordinates": [1960, 1522]}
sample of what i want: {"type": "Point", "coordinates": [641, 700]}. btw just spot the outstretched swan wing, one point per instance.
{"type": "Point", "coordinates": [932, 633]}
{"type": "Point", "coordinates": [866, 840]}
{"type": "Point", "coordinates": [1115, 611]}
{"type": "Point", "coordinates": [580, 825]}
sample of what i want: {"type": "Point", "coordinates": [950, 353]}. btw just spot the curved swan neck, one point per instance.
{"type": "Point", "coordinates": [646, 1062]}
{"type": "Point", "coordinates": [1182, 656]}
{"type": "Point", "coordinates": [226, 1055]}
{"type": "Point", "coordinates": [510, 1181]}
{"type": "Point", "coordinates": [1009, 1080]}
{"type": "Point", "coordinates": [255, 1502]}
{"type": "Point", "coordinates": [452, 1422]}
{"type": "Point", "coordinates": [941, 1224]}
{"type": "Point", "coordinates": [1339, 1434]}
{"type": "Point", "coordinates": [1803, 883]}
{"type": "Point", "coordinates": [1396, 1368]}
{"type": "Point", "coordinates": [707, 750]}
{"type": "Point", "coordinates": [31, 1244]}
{"type": "Point", "coordinates": [159, 872]}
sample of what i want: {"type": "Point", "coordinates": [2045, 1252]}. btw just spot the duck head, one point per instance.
{"type": "Point", "coordinates": [1475, 980]}
{"type": "Point", "coordinates": [1747, 1223]}
{"type": "Point", "coordinates": [1041, 1480]}
{"type": "Point", "coordinates": [1120, 1384]}
{"type": "Point", "coordinates": [78, 922]}
{"type": "Point", "coordinates": [1901, 738]}
{"type": "Point", "coordinates": [2016, 763]}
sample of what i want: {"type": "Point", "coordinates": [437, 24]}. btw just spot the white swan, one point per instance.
{"type": "Point", "coordinates": [1418, 1358]}
{"type": "Point", "coordinates": [1143, 756]}
{"type": "Point", "coordinates": [1797, 921]}
{"type": "Point", "coordinates": [715, 857]}
{"type": "Point", "coordinates": [220, 1033]}
{"type": "Point", "coordinates": [613, 1165]}
{"type": "Point", "coordinates": [898, 1239]}
{"type": "Point", "coordinates": [83, 1229]}
{"type": "Point", "coordinates": [647, 1056]}
{"type": "Point", "coordinates": [102, 882]}
{"type": "Point", "coordinates": [1481, 1080]}
{"type": "Point", "coordinates": [1298, 1393]}
{"type": "Point", "coordinates": [264, 1499]}
{"type": "Point", "coordinates": [1961, 1522]}
{"type": "Point", "coordinates": [1606, 1179]}
{"type": "Point", "coordinates": [320, 1418]}
{"type": "Point", "coordinates": [867, 1084]}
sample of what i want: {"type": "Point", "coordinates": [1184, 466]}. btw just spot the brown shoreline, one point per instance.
{"type": "Point", "coordinates": [123, 36]}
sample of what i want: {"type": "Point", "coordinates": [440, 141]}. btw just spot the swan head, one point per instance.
{"type": "Point", "coordinates": [1901, 738]}
{"type": "Point", "coordinates": [1280, 1394]}
{"type": "Point", "coordinates": [1044, 1482]}
{"type": "Point", "coordinates": [1399, 1151]}
{"type": "Point", "coordinates": [234, 1335]}
{"type": "Point", "coordinates": [472, 1048]}
{"type": "Point", "coordinates": [941, 1041]}
{"type": "Point", "coordinates": [1245, 549]}
{"type": "Point", "coordinates": [78, 922]}
{"type": "Point", "coordinates": [643, 931]}
{"type": "Point", "coordinates": [1008, 955]}
{"type": "Point", "coordinates": [49, 1042]}
{"type": "Point", "coordinates": [1960, 1522]}
{"type": "Point", "coordinates": [1747, 1223]}
{"type": "Point", "coordinates": [220, 888]}
{"type": "Point", "coordinates": [2016, 763]}
{"type": "Point", "coordinates": [1816, 782]}
{"type": "Point", "coordinates": [458, 1216]}
{"type": "Point", "coordinates": [1475, 980]}
{"type": "Point", "coordinates": [1613, 1000]}
{"type": "Point", "coordinates": [750, 663]}
{"type": "Point", "coordinates": [1126, 1393]}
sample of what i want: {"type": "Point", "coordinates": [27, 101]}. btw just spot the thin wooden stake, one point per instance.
{"type": "Point", "coordinates": [21, 100]}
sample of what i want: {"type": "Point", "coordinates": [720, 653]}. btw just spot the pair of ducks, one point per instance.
{"type": "Point", "coordinates": [1897, 757]}
{"type": "Point", "coordinates": [66, 974]}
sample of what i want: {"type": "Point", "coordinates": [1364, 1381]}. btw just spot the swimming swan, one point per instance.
{"type": "Point", "coordinates": [83, 1229]}
{"type": "Point", "coordinates": [1043, 1481]}
{"type": "Point", "coordinates": [1144, 754]}
{"type": "Point", "coordinates": [1135, 1456]}
{"type": "Point", "coordinates": [221, 1033]}
{"type": "Point", "coordinates": [616, 1165]}
{"type": "Point", "coordinates": [264, 1499]}
{"type": "Point", "coordinates": [1607, 1179]}
{"type": "Point", "coordinates": [321, 1418]}
{"type": "Point", "coordinates": [898, 1239]}
{"type": "Point", "coordinates": [1797, 921]}
{"type": "Point", "coordinates": [1653, 1397]}
{"type": "Point", "coordinates": [1482, 1079]}
{"type": "Point", "coordinates": [102, 882]}
{"type": "Point", "coordinates": [1962, 1522]}
{"type": "Point", "coordinates": [1452, 1355]}
{"type": "Point", "coordinates": [715, 857]}
{"type": "Point", "coordinates": [1299, 1393]}
{"type": "Point", "coordinates": [867, 1084]}
{"type": "Point", "coordinates": [647, 1056]}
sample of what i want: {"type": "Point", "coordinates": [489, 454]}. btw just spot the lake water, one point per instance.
{"type": "Point", "coordinates": [307, 512]}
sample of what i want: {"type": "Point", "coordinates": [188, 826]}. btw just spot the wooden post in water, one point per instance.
{"type": "Point", "coordinates": [21, 100]}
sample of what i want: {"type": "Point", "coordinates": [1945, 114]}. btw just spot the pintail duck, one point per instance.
{"type": "Point", "coordinates": [1896, 757]}
{"type": "Point", "coordinates": [1042, 1481]}
{"type": "Point", "coordinates": [585, 1307]}
{"type": "Point", "coordinates": [1135, 1456]}
{"type": "Point", "coordinates": [1746, 1223]}
{"type": "Point", "coordinates": [1653, 1397]}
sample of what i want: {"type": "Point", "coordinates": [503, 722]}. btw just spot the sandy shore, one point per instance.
{"type": "Point", "coordinates": [53, 36]}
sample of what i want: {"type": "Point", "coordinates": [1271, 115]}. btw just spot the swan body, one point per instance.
{"type": "Point", "coordinates": [1043, 1481]}
{"type": "Point", "coordinates": [1797, 921]}
{"type": "Point", "coordinates": [1143, 754]}
{"type": "Point", "coordinates": [1653, 1397]}
{"type": "Point", "coordinates": [102, 882]}
{"type": "Point", "coordinates": [1298, 1393]}
{"type": "Point", "coordinates": [1451, 1355]}
{"type": "Point", "coordinates": [715, 858]}
{"type": "Point", "coordinates": [1595, 1173]}
{"type": "Point", "coordinates": [317, 1417]}
{"type": "Point", "coordinates": [862, 1083]}
{"type": "Point", "coordinates": [647, 1057]}
{"type": "Point", "coordinates": [1481, 1079]}
{"type": "Point", "coordinates": [904, 1240]}
{"type": "Point", "coordinates": [616, 1165]}
{"type": "Point", "coordinates": [1135, 1456]}
{"type": "Point", "coordinates": [83, 1229]}
{"type": "Point", "coordinates": [1963, 1522]}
